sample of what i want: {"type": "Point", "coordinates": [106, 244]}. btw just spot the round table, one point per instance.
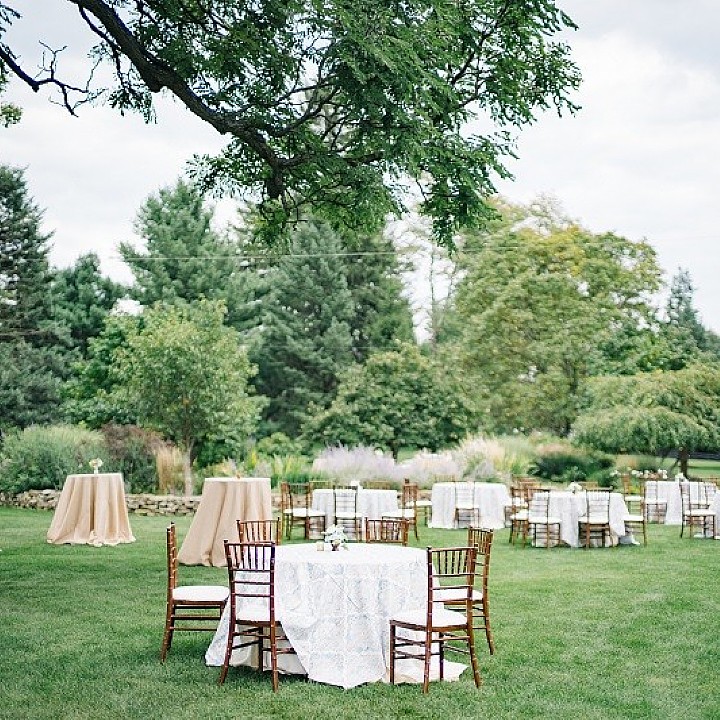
{"type": "Point", "coordinates": [91, 510]}
{"type": "Point", "coordinates": [491, 499]}
{"type": "Point", "coordinates": [370, 503]}
{"type": "Point", "coordinates": [335, 609]}
{"type": "Point", "coordinates": [224, 501]}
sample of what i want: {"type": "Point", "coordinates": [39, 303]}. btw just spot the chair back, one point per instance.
{"type": "Point", "coordinates": [451, 573]}
{"type": "Point", "coordinates": [250, 531]}
{"type": "Point", "coordinates": [598, 505]}
{"type": "Point", "coordinates": [345, 499]}
{"type": "Point", "coordinates": [379, 485]}
{"type": "Point", "coordinates": [251, 575]}
{"type": "Point", "coordinates": [295, 495]}
{"type": "Point", "coordinates": [696, 495]}
{"type": "Point", "coordinates": [409, 496]}
{"type": "Point", "coordinates": [539, 504]}
{"type": "Point", "coordinates": [172, 559]}
{"type": "Point", "coordinates": [481, 539]}
{"type": "Point", "coordinates": [386, 531]}
{"type": "Point", "coordinates": [464, 493]}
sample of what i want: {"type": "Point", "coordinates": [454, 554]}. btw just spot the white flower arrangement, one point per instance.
{"type": "Point", "coordinates": [95, 464]}
{"type": "Point", "coordinates": [335, 535]}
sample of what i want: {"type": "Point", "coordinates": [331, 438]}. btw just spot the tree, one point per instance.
{"type": "Point", "coordinates": [30, 341]}
{"type": "Point", "coordinates": [185, 375]}
{"type": "Point", "coordinates": [335, 104]}
{"type": "Point", "coordinates": [305, 343]}
{"type": "Point", "coordinates": [686, 337]}
{"type": "Point", "coordinates": [185, 258]}
{"type": "Point", "coordinates": [381, 315]}
{"type": "Point", "coordinates": [9, 113]}
{"type": "Point", "coordinates": [89, 394]}
{"type": "Point", "coordinates": [82, 299]}
{"type": "Point", "coordinates": [396, 399]}
{"type": "Point", "coordinates": [654, 412]}
{"type": "Point", "coordinates": [540, 300]}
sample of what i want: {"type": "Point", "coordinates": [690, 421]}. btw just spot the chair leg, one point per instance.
{"type": "Point", "coordinates": [426, 668]}
{"type": "Point", "coordinates": [392, 654]}
{"type": "Point", "coordinates": [228, 653]}
{"type": "Point", "coordinates": [273, 657]}
{"type": "Point", "coordinates": [473, 658]}
{"type": "Point", "coordinates": [168, 632]}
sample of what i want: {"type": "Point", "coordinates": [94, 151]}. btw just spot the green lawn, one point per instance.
{"type": "Point", "coordinates": [624, 633]}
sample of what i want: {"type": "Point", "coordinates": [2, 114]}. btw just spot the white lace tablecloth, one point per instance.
{"type": "Point", "coordinates": [335, 609]}
{"type": "Point", "coordinates": [371, 503]}
{"type": "Point", "coordinates": [715, 507]}
{"type": "Point", "coordinates": [491, 498]}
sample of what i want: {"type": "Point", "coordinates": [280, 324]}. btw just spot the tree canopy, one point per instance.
{"type": "Point", "coordinates": [654, 412]}
{"type": "Point", "coordinates": [337, 104]}
{"type": "Point", "coordinates": [540, 299]}
{"type": "Point", "coordinates": [183, 373]}
{"type": "Point", "coordinates": [397, 399]}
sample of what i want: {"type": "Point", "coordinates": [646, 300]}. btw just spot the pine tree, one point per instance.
{"type": "Point", "coordinates": [184, 257]}
{"type": "Point", "coordinates": [31, 364]}
{"type": "Point", "coordinates": [305, 343]}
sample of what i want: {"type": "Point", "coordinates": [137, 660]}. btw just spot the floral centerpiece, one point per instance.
{"type": "Point", "coordinates": [335, 535]}
{"type": "Point", "coordinates": [95, 464]}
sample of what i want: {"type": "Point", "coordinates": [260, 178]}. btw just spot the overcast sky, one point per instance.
{"type": "Point", "coordinates": [641, 157]}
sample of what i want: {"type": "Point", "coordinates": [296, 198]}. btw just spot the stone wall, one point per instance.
{"type": "Point", "coordinates": [138, 504]}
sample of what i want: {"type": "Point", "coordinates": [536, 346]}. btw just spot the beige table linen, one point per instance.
{"type": "Point", "coordinates": [224, 501]}
{"type": "Point", "coordinates": [91, 511]}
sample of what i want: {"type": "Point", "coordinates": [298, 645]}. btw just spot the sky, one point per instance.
{"type": "Point", "coordinates": [640, 158]}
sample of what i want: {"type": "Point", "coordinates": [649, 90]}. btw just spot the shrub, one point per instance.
{"type": "Point", "coordinates": [568, 463]}
{"type": "Point", "coordinates": [132, 450]}
{"type": "Point", "coordinates": [342, 464]}
{"type": "Point", "coordinates": [41, 457]}
{"type": "Point", "coordinates": [277, 444]}
{"type": "Point", "coordinates": [169, 466]}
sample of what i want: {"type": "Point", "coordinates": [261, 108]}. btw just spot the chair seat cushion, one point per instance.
{"type": "Point", "coordinates": [633, 518]}
{"type": "Point", "coordinates": [348, 515]}
{"type": "Point", "coordinates": [407, 514]}
{"type": "Point", "coordinates": [632, 498]}
{"type": "Point", "coordinates": [424, 503]}
{"type": "Point", "coordinates": [466, 506]}
{"type": "Point", "coordinates": [700, 512]}
{"type": "Point", "coordinates": [594, 519]}
{"type": "Point", "coordinates": [447, 595]}
{"type": "Point", "coordinates": [200, 593]}
{"type": "Point", "coordinates": [304, 512]}
{"type": "Point", "coordinates": [441, 617]}
{"type": "Point", "coordinates": [542, 520]}
{"type": "Point", "coordinates": [522, 515]}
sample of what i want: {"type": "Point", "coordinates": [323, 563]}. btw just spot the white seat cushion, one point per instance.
{"type": "Point", "coordinates": [200, 593]}
{"type": "Point", "coordinates": [633, 518]}
{"type": "Point", "coordinates": [304, 512]}
{"type": "Point", "coordinates": [402, 514]}
{"type": "Point", "coordinates": [522, 515]}
{"type": "Point", "coordinates": [542, 520]}
{"type": "Point", "coordinates": [594, 519]}
{"type": "Point", "coordinates": [441, 617]}
{"type": "Point", "coordinates": [424, 503]}
{"type": "Point", "coordinates": [348, 515]}
{"type": "Point", "coordinates": [454, 595]}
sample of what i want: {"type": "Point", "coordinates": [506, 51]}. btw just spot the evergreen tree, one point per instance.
{"type": "Point", "coordinates": [82, 299]}
{"type": "Point", "coordinates": [381, 315]}
{"type": "Point", "coordinates": [185, 258]}
{"type": "Point", "coordinates": [305, 342]}
{"type": "Point", "coordinates": [31, 364]}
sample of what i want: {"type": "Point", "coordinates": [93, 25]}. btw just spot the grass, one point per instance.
{"type": "Point", "coordinates": [619, 633]}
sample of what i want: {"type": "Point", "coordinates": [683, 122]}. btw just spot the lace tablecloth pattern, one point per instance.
{"type": "Point", "coordinates": [335, 609]}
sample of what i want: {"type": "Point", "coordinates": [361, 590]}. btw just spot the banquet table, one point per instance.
{"type": "Point", "coordinates": [224, 501]}
{"type": "Point", "coordinates": [91, 510]}
{"type": "Point", "coordinates": [715, 507]}
{"type": "Point", "coordinates": [491, 498]}
{"type": "Point", "coordinates": [371, 503]}
{"type": "Point", "coordinates": [568, 507]}
{"type": "Point", "coordinates": [335, 610]}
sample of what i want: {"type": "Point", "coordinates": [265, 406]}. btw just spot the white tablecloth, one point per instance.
{"type": "Point", "coordinates": [371, 503]}
{"type": "Point", "coordinates": [715, 507]}
{"type": "Point", "coordinates": [335, 609]}
{"type": "Point", "coordinates": [668, 491]}
{"type": "Point", "coordinates": [569, 506]}
{"type": "Point", "coordinates": [491, 498]}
